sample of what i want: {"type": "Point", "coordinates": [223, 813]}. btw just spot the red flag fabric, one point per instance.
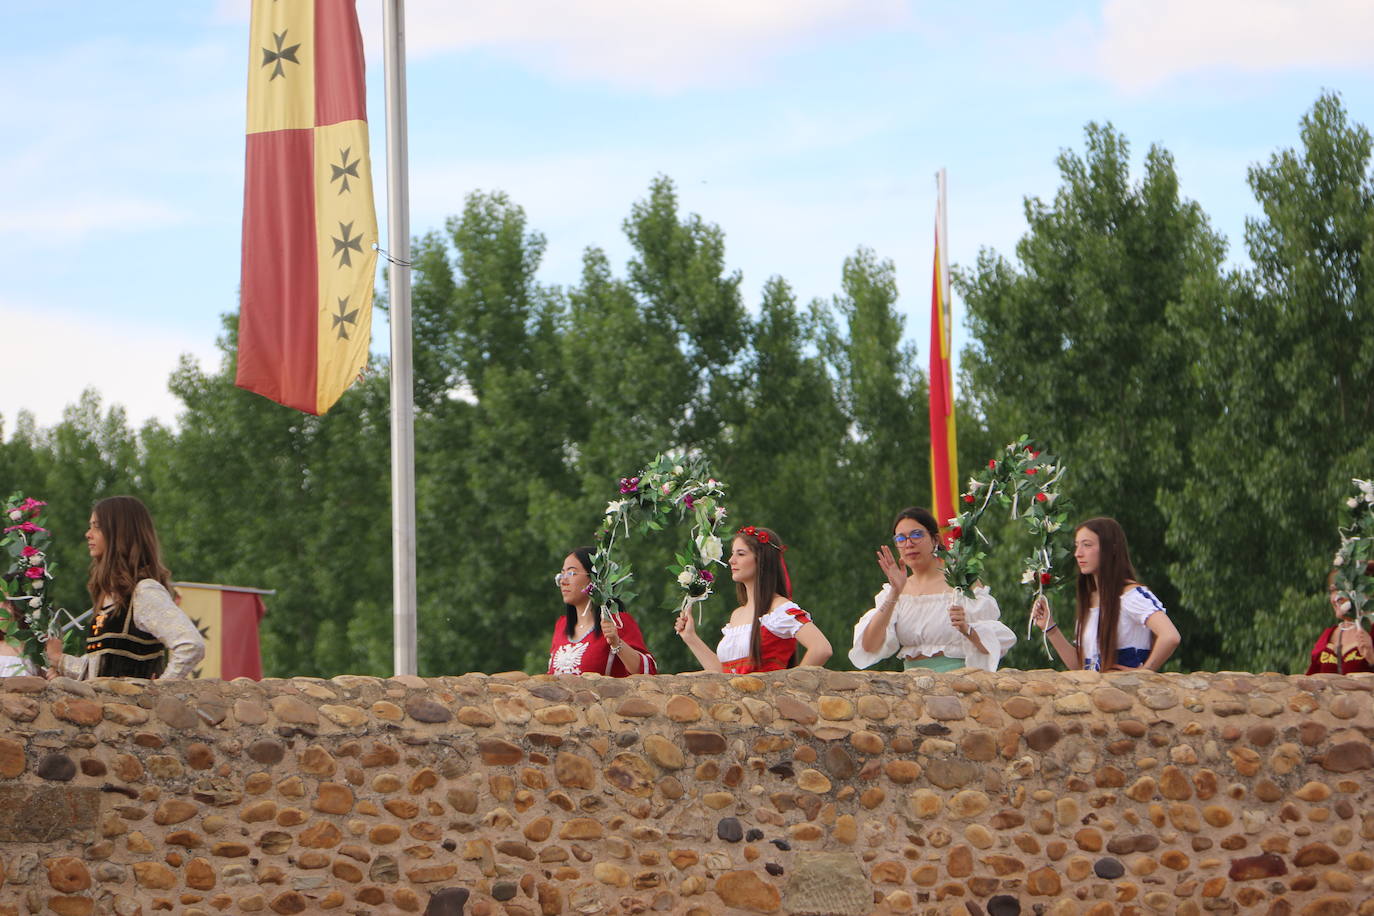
{"type": "Point", "coordinates": [944, 471]}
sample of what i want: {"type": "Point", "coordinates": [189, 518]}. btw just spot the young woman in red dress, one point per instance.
{"type": "Point", "coordinates": [766, 629]}
{"type": "Point", "coordinates": [579, 642]}
{"type": "Point", "coordinates": [1345, 648]}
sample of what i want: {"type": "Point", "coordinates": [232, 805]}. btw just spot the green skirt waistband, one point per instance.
{"type": "Point", "coordinates": [937, 663]}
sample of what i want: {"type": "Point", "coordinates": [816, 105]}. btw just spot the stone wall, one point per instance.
{"type": "Point", "coordinates": [796, 792]}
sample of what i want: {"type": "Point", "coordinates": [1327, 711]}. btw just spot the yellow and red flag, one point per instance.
{"type": "Point", "coordinates": [309, 223]}
{"type": "Point", "coordinates": [944, 471]}
{"type": "Point", "coordinates": [228, 618]}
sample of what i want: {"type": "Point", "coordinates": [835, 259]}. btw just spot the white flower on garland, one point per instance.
{"type": "Point", "coordinates": [686, 577]}
{"type": "Point", "coordinates": [712, 549]}
{"type": "Point", "coordinates": [614, 506]}
{"type": "Point", "coordinates": [1353, 502]}
{"type": "Point", "coordinates": [1028, 577]}
{"type": "Point", "coordinates": [677, 469]}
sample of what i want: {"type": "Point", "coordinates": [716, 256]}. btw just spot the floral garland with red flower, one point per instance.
{"type": "Point", "coordinates": [1025, 480]}
{"type": "Point", "coordinates": [26, 611]}
{"type": "Point", "coordinates": [670, 487]}
{"type": "Point", "coordinates": [1352, 581]}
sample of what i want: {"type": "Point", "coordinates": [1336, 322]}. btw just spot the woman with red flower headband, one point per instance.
{"type": "Point", "coordinates": [765, 630]}
{"type": "Point", "coordinates": [918, 618]}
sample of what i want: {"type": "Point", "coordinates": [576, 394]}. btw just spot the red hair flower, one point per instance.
{"type": "Point", "coordinates": [762, 536]}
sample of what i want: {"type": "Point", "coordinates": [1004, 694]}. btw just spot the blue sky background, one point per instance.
{"type": "Point", "coordinates": [804, 128]}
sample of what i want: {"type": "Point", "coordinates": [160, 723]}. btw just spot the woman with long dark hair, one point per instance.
{"type": "Point", "coordinates": [1346, 647]}
{"type": "Point", "coordinates": [580, 643]}
{"type": "Point", "coordinates": [138, 629]}
{"type": "Point", "coordinates": [917, 617]}
{"type": "Point", "coordinates": [1120, 624]}
{"type": "Point", "coordinates": [765, 630]}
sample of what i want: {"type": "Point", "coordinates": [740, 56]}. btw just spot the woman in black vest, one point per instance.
{"type": "Point", "coordinates": [137, 623]}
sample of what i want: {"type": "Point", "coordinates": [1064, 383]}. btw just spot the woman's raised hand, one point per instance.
{"type": "Point", "coordinates": [52, 648]}
{"type": "Point", "coordinates": [895, 572]}
{"type": "Point", "coordinates": [685, 626]}
{"type": "Point", "coordinates": [1040, 613]}
{"type": "Point", "coordinates": [958, 619]}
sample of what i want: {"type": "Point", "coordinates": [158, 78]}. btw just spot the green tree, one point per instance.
{"type": "Point", "coordinates": [1073, 345]}
{"type": "Point", "coordinates": [251, 493]}
{"type": "Point", "coordinates": [1280, 355]}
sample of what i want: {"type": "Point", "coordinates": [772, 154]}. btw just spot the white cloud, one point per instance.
{"type": "Point", "coordinates": [661, 46]}
{"type": "Point", "coordinates": [1145, 43]}
{"type": "Point", "coordinates": [128, 363]}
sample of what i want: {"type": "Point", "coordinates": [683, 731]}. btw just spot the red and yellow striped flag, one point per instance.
{"type": "Point", "coordinates": [309, 224]}
{"type": "Point", "coordinates": [944, 470]}
{"type": "Point", "coordinates": [228, 618]}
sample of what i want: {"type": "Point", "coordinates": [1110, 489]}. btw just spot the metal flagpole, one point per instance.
{"type": "Point", "coordinates": [403, 598]}
{"type": "Point", "coordinates": [943, 214]}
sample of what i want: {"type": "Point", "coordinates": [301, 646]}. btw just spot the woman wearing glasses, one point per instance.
{"type": "Point", "coordinates": [579, 643]}
{"type": "Point", "coordinates": [916, 617]}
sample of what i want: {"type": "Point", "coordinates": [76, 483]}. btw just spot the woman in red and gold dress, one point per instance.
{"type": "Point", "coordinates": [579, 645]}
{"type": "Point", "coordinates": [768, 626]}
{"type": "Point", "coordinates": [1344, 648]}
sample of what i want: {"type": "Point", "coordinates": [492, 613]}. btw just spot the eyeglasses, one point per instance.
{"type": "Point", "coordinates": [560, 577]}
{"type": "Point", "coordinates": [916, 535]}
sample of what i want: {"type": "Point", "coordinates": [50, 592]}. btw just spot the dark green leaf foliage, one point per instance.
{"type": "Point", "coordinates": [1074, 345]}
{"type": "Point", "coordinates": [1280, 359]}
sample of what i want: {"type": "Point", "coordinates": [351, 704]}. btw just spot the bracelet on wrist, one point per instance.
{"type": "Point", "coordinates": [1053, 626]}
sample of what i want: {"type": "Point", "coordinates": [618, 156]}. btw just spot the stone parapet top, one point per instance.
{"type": "Point", "coordinates": [806, 791]}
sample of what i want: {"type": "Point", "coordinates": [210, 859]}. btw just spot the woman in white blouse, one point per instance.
{"type": "Point", "coordinates": [918, 618]}
{"type": "Point", "coordinates": [139, 631]}
{"type": "Point", "coordinates": [1120, 624]}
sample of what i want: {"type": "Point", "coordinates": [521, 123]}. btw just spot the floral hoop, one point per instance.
{"type": "Point", "coordinates": [30, 619]}
{"type": "Point", "coordinates": [1356, 552]}
{"type": "Point", "coordinates": [671, 485]}
{"type": "Point", "coordinates": [1026, 480]}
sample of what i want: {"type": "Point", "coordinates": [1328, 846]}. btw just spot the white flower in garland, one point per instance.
{"type": "Point", "coordinates": [712, 549]}
{"type": "Point", "coordinates": [1353, 502]}
{"type": "Point", "coordinates": [1028, 577]}
{"type": "Point", "coordinates": [668, 486]}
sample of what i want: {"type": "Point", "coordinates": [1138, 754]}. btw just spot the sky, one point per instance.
{"type": "Point", "coordinates": [803, 128]}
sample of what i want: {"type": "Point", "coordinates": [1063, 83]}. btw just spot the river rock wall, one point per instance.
{"type": "Point", "coordinates": [804, 792]}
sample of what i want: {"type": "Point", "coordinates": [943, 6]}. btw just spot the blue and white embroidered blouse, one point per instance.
{"type": "Point", "coordinates": [1133, 638]}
